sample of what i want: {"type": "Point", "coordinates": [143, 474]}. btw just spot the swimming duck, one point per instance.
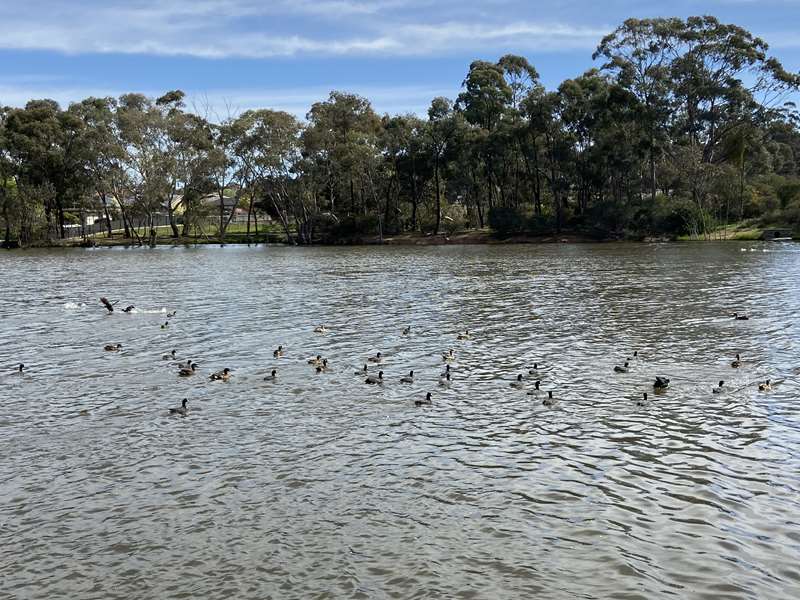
{"type": "Point", "coordinates": [165, 325]}
{"type": "Point", "coordinates": [535, 390]}
{"type": "Point", "coordinates": [424, 402]}
{"type": "Point", "coordinates": [518, 384]}
{"type": "Point", "coordinates": [661, 383]}
{"type": "Point", "coordinates": [170, 356]}
{"type": "Point", "coordinates": [643, 401]}
{"type": "Point", "coordinates": [376, 359]}
{"type": "Point", "coordinates": [445, 381]}
{"type": "Point", "coordinates": [372, 380]}
{"type": "Point", "coordinates": [720, 388]}
{"type": "Point", "coordinates": [362, 371]}
{"type": "Point", "coordinates": [408, 378]}
{"type": "Point", "coordinates": [622, 369]}
{"type": "Point", "coordinates": [448, 356]}
{"type": "Point", "coordinates": [737, 363]}
{"type": "Point", "coordinates": [278, 353]}
{"type": "Point", "coordinates": [272, 376]}
{"type": "Point", "coordinates": [324, 366]}
{"type": "Point", "coordinates": [187, 365]}
{"type": "Point", "coordinates": [128, 309]}
{"type": "Point", "coordinates": [764, 387]}
{"type": "Point", "coordinates": [446, 371]}
{"type": "Point", "coordinates": [320, 329]}
{"type": "Point", "coordinates": [188, 371]}
{"type": "Point", "coordinates": [534, 370]}
{"type": "Point", "coordinates": [20, 368]}
{"type": "Point", "coordinates": [180, 411]}
{"type": "Point", "coordinates": [172, 314]}
{"type": "Point", "coordinates": [112, 347]}
{"type": "Point", "coordinates": [549, 401]}
{"type": "Point", "coordinates": [407, 330]}
{"type": "Point", "coordinates": [464, 335]}
{"type": "Point", "coordinates": [223, 375]}
{"type": "Point", "coordinates": [315, 361]}
{"type": "Point", "coordinates": [739, 317]}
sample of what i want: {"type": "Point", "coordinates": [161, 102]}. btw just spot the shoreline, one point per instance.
{"type": "Point", "coordinates": [466, 238]}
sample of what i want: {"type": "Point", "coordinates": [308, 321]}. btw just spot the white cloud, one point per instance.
{"type": "Point", "coordinates": [255, 29]}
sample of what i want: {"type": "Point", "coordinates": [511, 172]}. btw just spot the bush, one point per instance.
{"type": "Point", "coordinates": [506, 221]}
{"type": "Point", "coordinates": [352, 227]}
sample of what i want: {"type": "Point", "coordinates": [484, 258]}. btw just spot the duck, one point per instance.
{"type": "Point", "coordinates": [315, 361]}
{"type": "Point", "coordinates": [169, 356]}
{"type": "Point", "coordinates": [737, 363]}
{"type": "Point", "coordinates": [661, 383]}
{"type": "Point", "coordinates": [445, 381]}
{"type": "Point", "coordinates": [361, 371]}
{"type": "Point", "coordinates": [187, 365]}
{"type": "Point", "coordinates": [448, 356]}
{"type": "Point", "coordinates": [549, 401]}
{"type": "Point", "coordinates": [643, 401]}
{"type": "Point", "coordinates": [272, 376]}
{"type": "Point", "coordinates": [518, 384]}
{"type": "Point", "coordinates": [739, 317]}
{"type": "Point", "coordinates": [765, 387]}
{"type": "Point", "coordinates": [372, 380]}
{"type": "Point", "coordinates": [534, 370]}
{"type": "Point", "coordinates": [320, 329]}
{"type": "Point", "coordinates": [535, 390]}
{"type": "Point", "coordinates": [376, 359]}
{"type": "Point", "coordinates": [424, 402]}
{"type": "Point", "coordinates": [464, 335]}
{"type": "Point", "coordinates": [635, 354]}
{"type": "Point", "coordinates": [720, 388]}
{"type": "Point", "coordinates": [128, 309]}
{"type": "Point", "coordinates": [223, 375]}
{"type": "Point", "coordinates": [446, 371]}
{"type": "Point", "coordinates": [278, 353]}
{"type": "Point", "coordinates": [188, 371]}
{"type": "Point", "coordinates": [407, 330]}
{"type": "Point", "coordinates": [21, 368]}
{"type": "Point", "coordinates": [180, 411]}
{"type": "Point", "coordinates": [172, 314]}
{"type": "Point", "coordinates": [622, 369]}
{"type": "Point", "coordinates": [112, 347]}
{"type": "Point", "coordinates": [165, 325]}
{"type": "Point", "coordinates": [324, 366]}
{"type": "Point", "coordinates": [408, 378]}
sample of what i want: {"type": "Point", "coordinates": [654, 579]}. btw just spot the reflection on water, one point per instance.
{"type": "Point", "coordinates": [322, 487]}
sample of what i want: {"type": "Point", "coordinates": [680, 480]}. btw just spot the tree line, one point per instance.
{"type": "Point", "coordinates": [684, 126]}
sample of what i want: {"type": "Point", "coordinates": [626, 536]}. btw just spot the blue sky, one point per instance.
{"type": "Point", "coordinates": [285, 54]}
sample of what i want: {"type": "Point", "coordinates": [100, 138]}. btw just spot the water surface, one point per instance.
{"type": "Point", "coordinates": [323, 487]}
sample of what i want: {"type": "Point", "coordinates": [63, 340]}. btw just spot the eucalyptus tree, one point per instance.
{"type": "Point", "coordinates": [268, 149]}
{"type": "Point", "coordinates": [443, 124]}
{"type": "Point", "coordinates": [104, 152]}
{"type": "Point", "coordinates": [341, 143]}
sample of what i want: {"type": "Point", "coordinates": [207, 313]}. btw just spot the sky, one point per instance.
{"type": "Point", "coordinates": [232, 55]}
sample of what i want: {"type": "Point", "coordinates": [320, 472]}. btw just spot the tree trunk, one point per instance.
{"type": "Point", "coordinates": [438, 196]}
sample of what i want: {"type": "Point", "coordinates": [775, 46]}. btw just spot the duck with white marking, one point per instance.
{"type": "Point", "coordinates": [223, 375]}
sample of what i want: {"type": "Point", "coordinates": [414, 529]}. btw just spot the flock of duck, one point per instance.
{"type": "Point", "coordinates": [321, 365]}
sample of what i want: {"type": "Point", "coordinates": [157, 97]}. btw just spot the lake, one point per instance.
{"type": "Point", "coordinates": [320, 486]}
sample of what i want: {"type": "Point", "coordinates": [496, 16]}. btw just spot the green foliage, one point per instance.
{"type": "Point", "coordinates": [678, 132]}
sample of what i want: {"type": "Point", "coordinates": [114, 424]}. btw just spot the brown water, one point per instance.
{"type": "Point", "coordinates": [323, 487]}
